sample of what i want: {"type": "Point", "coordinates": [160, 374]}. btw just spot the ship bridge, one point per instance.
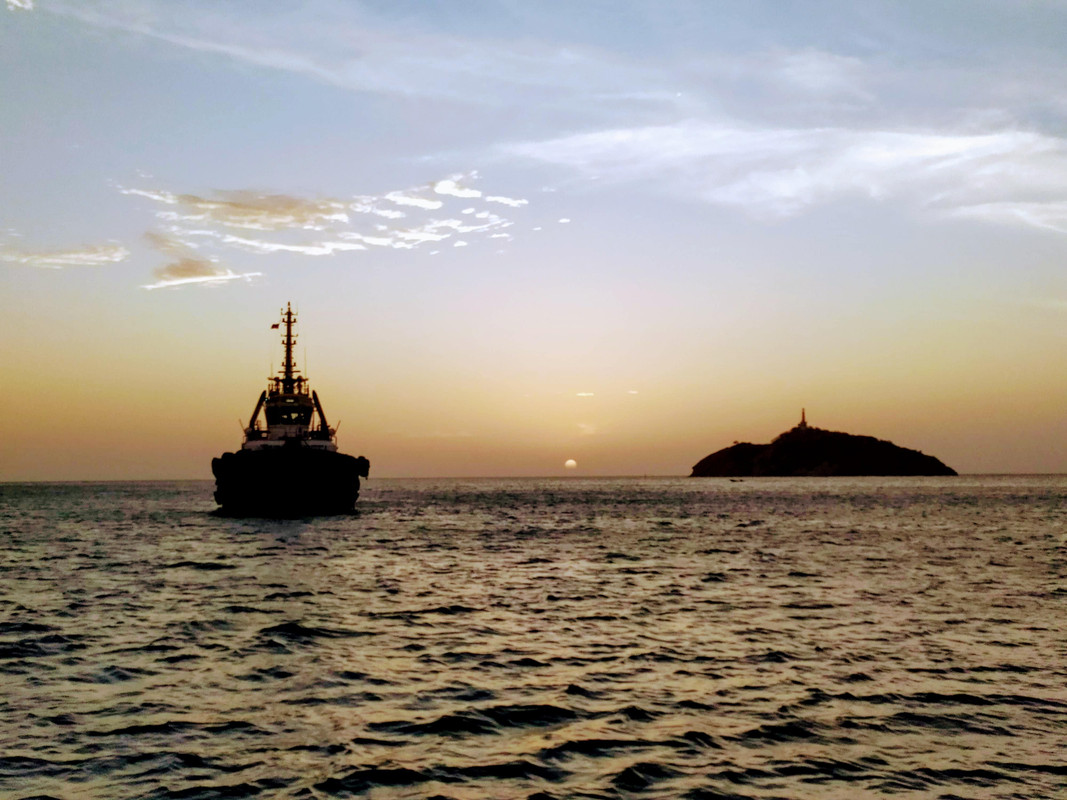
{"type": "Point", "coordinates": [292, 408]}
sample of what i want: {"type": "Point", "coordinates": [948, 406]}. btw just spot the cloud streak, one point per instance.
{"type": "Point", "coordinates": [863, 62]}
{"type": "Point", "coordinates": [783, 171]}
{"type": "Point", "coordinates": [90, 256]}
{"type": "Point", "coordinates": [261, 212]}
{"type": "Point", "coordinates": [350, 47]}
{"type": "Point", "coordinates": [1050, 215]}
{"type": "Point", "coordinates": [188, 267]}
{"type": "Point", "coordinates": [207, 280]}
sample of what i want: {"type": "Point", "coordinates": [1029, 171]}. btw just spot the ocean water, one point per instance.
{"type": "Point", "coordinates": [579, 638]}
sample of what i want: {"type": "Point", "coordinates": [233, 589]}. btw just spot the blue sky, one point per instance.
{"type": "Point", "coordinates": [635, 231]}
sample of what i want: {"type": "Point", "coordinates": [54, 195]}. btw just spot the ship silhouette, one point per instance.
{"type": "Point", "coordinates": [291, 465]}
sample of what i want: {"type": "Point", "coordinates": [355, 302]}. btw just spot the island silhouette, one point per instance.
{"type": "Point", "coordinates": [807, 451]}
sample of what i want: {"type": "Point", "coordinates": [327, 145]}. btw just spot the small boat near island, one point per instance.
{"type": "Point", "coordinates": [291, 465]}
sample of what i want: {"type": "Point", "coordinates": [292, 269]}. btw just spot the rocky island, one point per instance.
{"type": "Point", "coordinates": [804, 450]}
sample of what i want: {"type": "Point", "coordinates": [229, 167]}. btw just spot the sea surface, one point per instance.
{"type": "Point", "coordinates": [573, 638]}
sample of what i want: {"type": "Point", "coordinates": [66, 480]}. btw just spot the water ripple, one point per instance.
{"type": "Point", "coordinates": [544, 640]}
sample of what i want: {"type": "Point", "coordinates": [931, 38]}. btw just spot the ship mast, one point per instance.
{"type": "Point", "coordinates": [288, 366]}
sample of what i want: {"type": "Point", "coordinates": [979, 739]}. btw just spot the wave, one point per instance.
{"type": "Point", "coordinates": [212, 791]}
{"type": "Point", "coordinates": [361, 780]}
{"type": "Point", "coordinates": [640, 777]}
{"type": "Point", "coordinates": [511, 770]}
{"type": "Point", "coordinates": [797, 730]}
{"type": "Point", "coordinates": [205, 566]}
{"type": "Point", "coordinates": [483, 720]}
{"type": "Point", "coordinates": [171, 727]}
{"type": "Point", "coordinates": [366, 779]}
{"type": "Point", "coordinates": [595, 748]}
{"type": "Point", "coordinates": [20, 626]}
{"type": "Point", "coordinates": [298, 632]}
{"type": "Point", "coordinates": [448, 611]}
{"type": "Point", "coordinates": [114, 674]}
{"type": "Point", "coordinates": [53, 644]}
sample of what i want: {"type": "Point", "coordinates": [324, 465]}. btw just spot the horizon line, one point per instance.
{"type": "Point", "coordinates": [569, 476]}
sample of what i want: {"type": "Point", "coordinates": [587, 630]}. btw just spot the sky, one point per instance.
{"type": "Point", "coordinates": [626, 234]}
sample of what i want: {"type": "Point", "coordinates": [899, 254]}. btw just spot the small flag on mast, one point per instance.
{"type": "Point", "coordinates": [275, 326]}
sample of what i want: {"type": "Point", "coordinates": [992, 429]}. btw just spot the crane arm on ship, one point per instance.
{"type": "Point", "coordinates": [318, 407]}
{"type": "Point", "coordinates": [259, 406]}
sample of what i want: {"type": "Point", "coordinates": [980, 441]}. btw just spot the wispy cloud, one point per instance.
{"type": "Point", "coordinates": [208, 280]}
{"type": "Point", "coordinates": [194, 227]}
{"type": "Point", "coordinates": [1050, 215]}
{"type": "Point", "coordinates": [879, 58]}
{"type": "Point", "coordinates": [261, 212]}
{"type": "Point", "coordinates": [21, 5]}
{"type": "Point", "coordinates": [214, 278]}
{"type": "Point", "coordinates": [507, 201]}
{"type": "Point", "coordinates": [188, 267]}
{"type": "Point", "coordinates": [770, 128]}
{"type": "Point", "coordinates": [818, 72]}
{"type": "Point", "coordinates": [353, 47]}
{"type": "Point", "coordinates": [782, 171]}
{"type": "Point", "coordinates": [755, 125]}
{"type": "Point", "coordinates": [740, 67]}
{"type": "Point", "coordinates": [449, 186]}
{"type": "Point", "coordinates": [90, 256]}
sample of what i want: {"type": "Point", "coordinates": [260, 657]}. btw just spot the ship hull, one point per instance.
{"type": "Point", "coordinates": [287, 481]}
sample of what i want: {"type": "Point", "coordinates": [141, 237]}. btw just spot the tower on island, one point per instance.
{"type": "Point", "coordinates": [803, 421]}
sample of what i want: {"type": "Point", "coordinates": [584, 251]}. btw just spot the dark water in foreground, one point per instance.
{"type": "Point", "coordinates": [831, 638]}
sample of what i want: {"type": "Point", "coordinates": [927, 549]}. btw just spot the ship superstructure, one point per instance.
{"type": "Point", "coordinates": [289, 464]}
{"type": "Point", "coordinates": [291, 412]}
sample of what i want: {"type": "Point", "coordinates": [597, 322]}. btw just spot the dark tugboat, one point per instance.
{"type": "Point", "coordinates": [291, 467]}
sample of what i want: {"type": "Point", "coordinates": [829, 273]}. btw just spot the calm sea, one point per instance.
{"type": "Point", "coordinates": [629, 638]}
